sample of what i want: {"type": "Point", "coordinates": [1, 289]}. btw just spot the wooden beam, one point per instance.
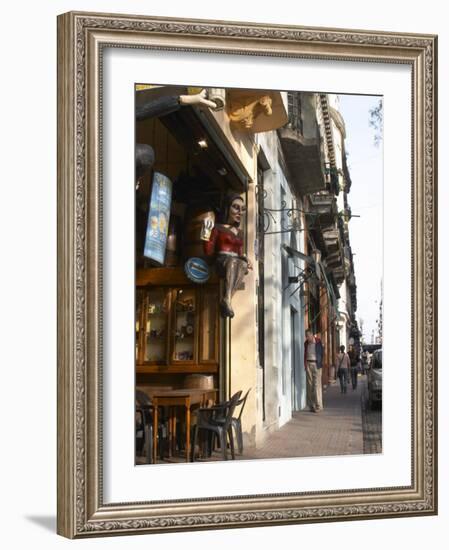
{"type": "Point", "coordinates": [167, 276]}
{"type": "Point", "coordinates": [176, 369]}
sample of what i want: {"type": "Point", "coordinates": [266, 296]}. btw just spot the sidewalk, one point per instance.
{"type": "Point", "coordinates": [336, 430]}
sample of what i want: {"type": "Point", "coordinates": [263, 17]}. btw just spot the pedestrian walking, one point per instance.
{"type": "Point", "coordinates": [313, 363]}
{"type": "Point", "coordinates": [364, 362]}
{"type": "Point", "coordinates": [344, 364]}
{"type": "Point", "coordinates": [354, 358]}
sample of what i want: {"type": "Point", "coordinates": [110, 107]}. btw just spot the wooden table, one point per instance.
{"type": "Point", "coordinates": [177, 398]}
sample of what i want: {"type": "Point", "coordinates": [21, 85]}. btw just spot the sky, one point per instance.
{"type": "Point", "coordinates": [365, 163]}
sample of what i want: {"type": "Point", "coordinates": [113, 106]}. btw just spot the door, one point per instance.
{"type": "Point", "coordinates": [295, 360]}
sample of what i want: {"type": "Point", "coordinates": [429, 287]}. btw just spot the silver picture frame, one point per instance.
{"type": "Point", "coordinates": [82, 38]}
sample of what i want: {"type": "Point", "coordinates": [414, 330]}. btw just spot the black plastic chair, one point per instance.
{"type": "Point", "coordinates": [145, 425]}
{"type": "Point", "coordinates": [144, 408]}
{"type": "Point", "coordinates": [217, 421]}
{"type": "Point", "coordinates": [237, 422]}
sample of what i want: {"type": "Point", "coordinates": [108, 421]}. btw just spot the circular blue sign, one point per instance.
{"type": "Point", "coordinates": [197, 270]}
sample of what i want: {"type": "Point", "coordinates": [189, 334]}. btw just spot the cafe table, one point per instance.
{"type": "Point", "coordinates": [185, 398]}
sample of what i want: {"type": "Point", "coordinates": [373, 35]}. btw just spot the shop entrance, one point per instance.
{"type": "Point", "coordinates": [180, 334]}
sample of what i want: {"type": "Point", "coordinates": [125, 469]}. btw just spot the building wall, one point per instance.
{"type": "Point", "coordinates": [343, 307]}
{"type": "Point", "coordinates": [344, 303]}
{"type": "Point", "coordinates": [283, 348]}
{"type": "Point", "coordinates": [293, 373]}
{"type": "Point", "coordinates": [273, 312]}
{"type": "Point", "coordinates": [242, 367]}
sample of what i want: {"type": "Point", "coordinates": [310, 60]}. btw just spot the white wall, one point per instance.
{"type": "Point", "coordinates": [289, 300]}
{"type": "Point", "coordinates": [278, 353]}
{"type": "Point", "coordinates": [343, 306]}
{"type": "Point", "coordinates": [28, 275]}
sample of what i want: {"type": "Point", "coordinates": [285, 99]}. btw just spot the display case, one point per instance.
{"type": "Point", "coordinates": [185, 325]}
{"type": "Point", "coordinates": [177, 328]}
{"type": "Point", "coordinates": [156, 326]}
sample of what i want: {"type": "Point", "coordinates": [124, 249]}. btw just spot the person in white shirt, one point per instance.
{"type": "Point", "coordinates": [343, 366]}
{"type": "Point", "coordinates": [313, 363]}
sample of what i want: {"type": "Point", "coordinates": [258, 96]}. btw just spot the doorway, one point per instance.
{"type": "Point", "coordinates": [295, 360]}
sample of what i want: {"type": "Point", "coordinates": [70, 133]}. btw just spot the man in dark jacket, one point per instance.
{"type": "Point", "coordinates": [313, 363]}
{"type": "Point", "coordinates": [354, 358]}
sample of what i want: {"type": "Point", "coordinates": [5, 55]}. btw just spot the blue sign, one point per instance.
{"type": "Point", "coordinates": [158, 218]}
{"type": "Point", "coordinates": [197, 270]}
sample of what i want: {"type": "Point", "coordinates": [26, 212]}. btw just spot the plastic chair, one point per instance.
{"type": "Point", "coordinates": [237, 422]}
{"type": "Point", "coordinates": [143, 407]}
{"type": "Point", "coordinates": [217, 421]}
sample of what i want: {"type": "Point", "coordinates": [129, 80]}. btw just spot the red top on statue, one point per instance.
{"type": "Point", "coordinates": [222, 239]}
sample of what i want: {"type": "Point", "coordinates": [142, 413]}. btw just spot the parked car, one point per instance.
{"type": "Point", "coordinates": [375, 379]}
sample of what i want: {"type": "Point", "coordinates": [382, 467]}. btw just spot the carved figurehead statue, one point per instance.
{"type": "Point", "coordinates": [226, 243]}
{"type": "Point", "coordinates": [244, 113]}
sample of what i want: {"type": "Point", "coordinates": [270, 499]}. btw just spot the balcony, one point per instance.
{"type": "Point", "coordinates": [331, 238]}
{"type": "Point", "coordinates": [339, 275]}
{"type": "Point", "coordinates": [333, 260]}
{"type": "Point", "coordinates": [323, 205]}
{"type": "Point", "coordinates": [333, 251]}
{"type": "Point", "coordinates": [301, 145]}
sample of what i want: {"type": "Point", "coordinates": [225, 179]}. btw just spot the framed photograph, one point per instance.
{"type": "Point", "coordinates": [247, 315]}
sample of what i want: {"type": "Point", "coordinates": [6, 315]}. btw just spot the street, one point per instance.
{"type": "Point", "coordinates": [372, 425]}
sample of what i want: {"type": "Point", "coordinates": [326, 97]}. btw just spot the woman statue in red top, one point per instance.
{"type": "Point", "coordinates": [226, 242]}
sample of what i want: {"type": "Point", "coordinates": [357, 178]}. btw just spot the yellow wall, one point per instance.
{"type": "Point", "coordinates": [244, 372]}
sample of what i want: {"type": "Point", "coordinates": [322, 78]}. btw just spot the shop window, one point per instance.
{"type": "Point", "coordinates": [177, 325]}
{"type": "Point", "coordinates": [156, 326]}
{"type": "Point", "coordinates": [184, 325]}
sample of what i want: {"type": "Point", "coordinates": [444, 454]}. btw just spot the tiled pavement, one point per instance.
{"type": "Point", "coordinates": [336, 430]}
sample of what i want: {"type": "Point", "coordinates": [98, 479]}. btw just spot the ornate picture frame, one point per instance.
{"type": "Point", "coordinates": [82, 38]}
